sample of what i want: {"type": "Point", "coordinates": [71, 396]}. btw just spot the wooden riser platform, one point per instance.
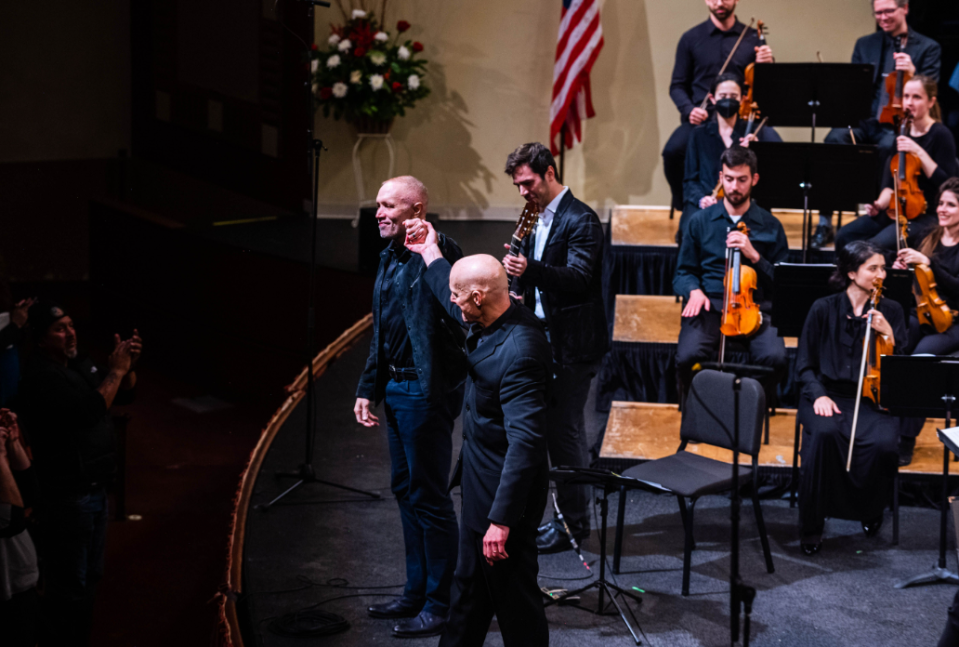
{"type": "Point", "coordinates": [651, 226]}
{"type": "Point", "coordinates": [652, 320]}
{"type": "Point", "coordinates": [642, 431]}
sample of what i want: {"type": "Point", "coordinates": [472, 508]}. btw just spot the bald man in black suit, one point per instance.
{"type": "Point", "coordinates": [503, 470]}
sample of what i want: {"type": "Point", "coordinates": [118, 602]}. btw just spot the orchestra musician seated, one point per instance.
{"type": "Point", "coordinates": [933, 144]}
{"type": "Point", "coordinates": [708, 141]}
{"type": "Point", "coordinates": [893, 47]}
{"type": "Point", "coordinates": [701, 269]}
{"type": "Point", "coordinates": [700, 55]}
{"type": "Point", "coordinates": [939, 251]}
{"type": "Point", "coordinates": [828, 366]}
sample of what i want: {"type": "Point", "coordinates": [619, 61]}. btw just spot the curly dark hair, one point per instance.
{"type": "Point", "coordinates": [849, 259]}
{"type": "Point", "coordinates": [533, 154]}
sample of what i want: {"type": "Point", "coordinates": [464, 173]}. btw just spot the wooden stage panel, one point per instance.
{"type": "Point", "coordinates": [651, 226]}
{"type": "Point", "coordinates": [643, 431]}
{"type": "Point", "coordinates": [652, 320]}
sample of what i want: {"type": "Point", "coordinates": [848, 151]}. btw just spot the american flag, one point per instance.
{"type": "Point", "coordinates": [579, 43]}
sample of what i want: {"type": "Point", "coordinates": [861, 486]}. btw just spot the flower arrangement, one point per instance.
{"type": "Point", "coordinates": [365, 75]}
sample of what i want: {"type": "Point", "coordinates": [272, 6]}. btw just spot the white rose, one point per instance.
{"type": "Point", "coordinates": [377, 58]}
{"type": "Point", "coordinates": [333, 61]}
{"type": "Point", "coordinates": [345, 45]}
{"type": "Point", "coordinates": [359, 13]}
{"type": "Point", "coordinates": [315, 87]}
{"type": "Point", "coordinates": [314, 64]}
{"type": "Point", "coordinates": [376, 81]}
{"type": "Point", "coordinates": [339, 89]}
{"type": "Point", "coordinates": [334, 39]}
{"type": "Point", "coordinates": [413, 82]}
{"type": "Point", "coordinates": [381, 36]}
{"type": "Point", "coordinates": [403, 53]}
{"type": "Point", "coordinates": [356, 76]}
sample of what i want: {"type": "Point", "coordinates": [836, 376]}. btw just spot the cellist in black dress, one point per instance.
{"type": "Point", "coordinates": [828, 364]}
{"type": "Point", "coordinates": [940, 251]}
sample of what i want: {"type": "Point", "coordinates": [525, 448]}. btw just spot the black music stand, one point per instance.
{"type": "Point", "coordinates": [794, 175]}
{"type": "Point", "coordinates": [797, 288]}
{"type": "Point", "coordinates": [924, 387]}
{"type": "Point", "coordinates": [833, 95]}
{"type": "Point", "coordinates": [610, 483]}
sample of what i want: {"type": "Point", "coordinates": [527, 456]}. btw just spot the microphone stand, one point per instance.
{"type": "Point", "coordinates": [741, 595]}
{"type": "Point", "coordinates": [305, 473]}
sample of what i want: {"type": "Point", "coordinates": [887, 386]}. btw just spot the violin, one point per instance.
{"type": "Point", "coordinates": [893, 112]}
{"type": "Point", "coordinates": [741, 315]}
{"type": "Point", "coordinates": [906, 168]}
{"type": "Point", "coordinates": [930, 308]}
{"type": "Point", "coordinates": [728, 59]}
{"type": "Point", "coordinates": [748, 107]}
{"type": "Point", "coordinates": [873, 348]}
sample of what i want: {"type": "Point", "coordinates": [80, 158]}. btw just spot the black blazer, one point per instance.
{"type": "Point", "coordinates": [437, 345]}
{"type": "Point", "coordinates": [502, 467]}
{"type": "Point", "coordinates": [570, 280]}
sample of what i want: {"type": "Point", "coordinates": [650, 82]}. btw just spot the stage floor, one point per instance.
{"type": "Point", "coordinates": [844, 595]}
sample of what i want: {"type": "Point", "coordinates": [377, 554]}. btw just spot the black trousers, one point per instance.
{"type": "Point", "coordinates": [566, 437]}
{"type": "Point", "coordinates": [674, 161]}
{"type": "Point", "coordinates": [826, 489]}
{"type": "Point", "coordinates": [699, 338]}
{"type": "Point", "coordinates": [880, 231]}
{"type": "Point", "coordinates": [508, 590]}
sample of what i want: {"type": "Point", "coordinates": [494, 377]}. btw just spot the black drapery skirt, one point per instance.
{"type": "Point", "coordinates": [825, 488]}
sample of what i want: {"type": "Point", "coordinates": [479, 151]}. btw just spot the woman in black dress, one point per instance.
{"type": "Point", "coordinates": [940, 251]}
{"type": "Point", "coordinates": [934, 145]}
{"type": "Point", "coordinates": [830, 352]}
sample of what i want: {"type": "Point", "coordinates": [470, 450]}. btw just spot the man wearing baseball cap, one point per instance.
{"type": "Point", "coordinates": [64, 405]}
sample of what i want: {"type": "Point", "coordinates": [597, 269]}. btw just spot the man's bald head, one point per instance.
{"type": "Point", "coordinates": [480, 288]}
{"type": "Point", "coordinates": [410, 190]}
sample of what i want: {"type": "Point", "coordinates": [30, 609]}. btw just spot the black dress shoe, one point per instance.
{"type": "Point", "coordinates": [812, 548]}
{"type": "Point", "coordinates": [823, 235]}
{"type": "Point", "coordinates": [871, 528]}
{"type": "Point", "coordinates": [399, 608]}
{"type": "Point", "coordinates": [906, 447]}
{"type": "Point", "coordinates": [423, 625]}
{"type": "Point", "coordinates": [555, 540]}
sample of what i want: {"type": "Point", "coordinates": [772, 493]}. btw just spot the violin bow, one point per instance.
{"type": "Point", "coordinates": [862, 375]}
{"type": "Point", "coordinates": [702, 106]}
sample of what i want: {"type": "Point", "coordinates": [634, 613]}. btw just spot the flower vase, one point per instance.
{"type": "Point", "coordinates": [369, 126]}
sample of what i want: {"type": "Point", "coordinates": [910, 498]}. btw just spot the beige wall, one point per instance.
{"type": "Point", "coordinates": [491, 75]}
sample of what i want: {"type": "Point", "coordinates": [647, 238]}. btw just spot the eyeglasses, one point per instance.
{"type": "Point", "coordinates": [885, 12]}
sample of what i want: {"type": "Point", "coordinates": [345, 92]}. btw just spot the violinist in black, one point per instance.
{"type": "Point", "coordinates": [940, 251]}
{"type": "Point", "coordinates": [933, 143]}
{"type": "Point", "coordinates": [700, 55]}
{"type": "Point", "coordinates": [828, 366]}
{"type": "Point", "coordinates": [708, 141]}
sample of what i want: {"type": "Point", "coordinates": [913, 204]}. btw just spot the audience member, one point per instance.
{"type": "Point", "coordinates": [18, 557]}
{"type": "Point", "coordinates": [64, 403]}
{"type": "Point", "coordinates": [13, 317]}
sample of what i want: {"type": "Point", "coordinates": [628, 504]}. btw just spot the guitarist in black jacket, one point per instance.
{"type": "Point", "coordinates": [502, 467]}
{"type": "Point", "coordinates": [558, 274]}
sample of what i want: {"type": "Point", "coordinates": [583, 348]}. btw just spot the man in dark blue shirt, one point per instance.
{"type": "Point", "coordinates": [699, 56]}
{"type": "Point", "coordinates": [702, 264]}
{"type": "Point", "coordinates": [417, 366]}
{"type": "Point", "coordinates": [919, 55]}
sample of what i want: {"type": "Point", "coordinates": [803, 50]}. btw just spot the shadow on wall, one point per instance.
{"type": "Point", "coordinates": [623, 138]}
{"type": "Point", "coordinates": [466, 180]}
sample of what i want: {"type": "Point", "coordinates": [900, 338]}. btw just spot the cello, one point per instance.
{"type": "Point", "coordinates": [873, 348]}
{"type": "Point", "coordinates": [741, 315]}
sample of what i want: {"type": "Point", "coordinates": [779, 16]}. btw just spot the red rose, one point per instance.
{"type": "Point", "coordinates": [359, 51]}
{"type": "Point", "coordinates": [397, 86]}
{"type": "Point", "coordinates": [402, 26]}
{"type": "Point", "coordinates": [314, 47]}
{"type": "Point", "coordinates": [326, 93]}
{"type": "Point", "coordinates": [417, 46]}
{"type": "Point", "coordinates": [386, 76]}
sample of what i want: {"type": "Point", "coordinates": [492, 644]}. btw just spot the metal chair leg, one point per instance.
{"type": "Point", "coordinates": [895, 509]}
{"type": "Point", "coordinates": [688, 546]}
{"type": "Point", "coordinates": [760, 522]}
{"type": "Point", "coordinates": [620, 518]}
{"type": "Point", "coordinates": [766, 440]}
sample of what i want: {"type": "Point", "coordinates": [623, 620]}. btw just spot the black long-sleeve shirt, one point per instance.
{"type": "Point", "coordinates": [700, 55]}
{"type": "Point", "coordinates": [702, 256]}
{"type": "Point", "coordinates": [944, 263]}
{"type": "Point", "coordinates": [394, 335]}
{"type": "Point", "coordinates": [830, 348]}
{"type": "Point", "coordinates": [941, 146]}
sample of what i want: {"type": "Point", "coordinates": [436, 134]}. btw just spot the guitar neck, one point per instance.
{"type": "Point", "coordinates": [515, 245]}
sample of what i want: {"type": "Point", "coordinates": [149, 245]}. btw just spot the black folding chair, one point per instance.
{"type": "Point", "coordinates": [708, 420]}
